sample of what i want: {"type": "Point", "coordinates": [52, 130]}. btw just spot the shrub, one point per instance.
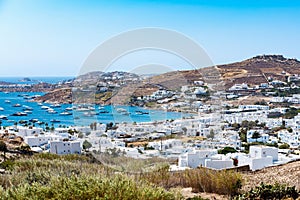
{"type": "Point", "coordinates": [266, 191]}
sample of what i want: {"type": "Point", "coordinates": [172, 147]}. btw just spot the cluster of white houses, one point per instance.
{"type": "Point", "coordinates": [259, 157]}
{"type": "Point", "coordinates": [192, 151]}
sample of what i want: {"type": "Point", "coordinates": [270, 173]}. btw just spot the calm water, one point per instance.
{"type": "Point", "coordinates": [34, 80]}
{"type": "Point", "coordinates": [77, 118]}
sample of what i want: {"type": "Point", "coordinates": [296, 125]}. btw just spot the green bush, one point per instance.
{"type": "Point", "coordinates": [46, 176]}
{"type": "Point", "coordinates": [267, 191]}
{"type": "Point", "coordinates": [7, 165]}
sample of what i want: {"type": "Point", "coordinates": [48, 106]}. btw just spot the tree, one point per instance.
{"type": "Point", "coordinates": [284, 146]}
{"type": "Point", "coordinates": [227, 150]}
{"type": "Point", "coordinates": [86, 145]}
{"type": "Point", "coordinates": [243, 134]}
{"type": "Point", "coordinates": [3, 148]}
{"type": "Point", "coordinates": [255, 135]}
{"type": "Point", "coordinates": [211, 134]}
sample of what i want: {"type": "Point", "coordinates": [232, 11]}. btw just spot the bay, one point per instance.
{"type": "Point", "coordinates": [105, 114]}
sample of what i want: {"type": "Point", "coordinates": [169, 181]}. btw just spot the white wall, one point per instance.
{"type": "Point", "coordinates": [263, 151]}
{"type": "Point", "coordinates": [260, 163]}
{"type": "Point", "coordinates": [218, 164]}
{"type": "Point", "coordinates": [40, 140]}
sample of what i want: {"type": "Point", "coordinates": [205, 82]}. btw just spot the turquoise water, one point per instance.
{"type": "Point", "coordinates": [130, 113]}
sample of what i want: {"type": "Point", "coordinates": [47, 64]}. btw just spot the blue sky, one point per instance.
{"type": "Point", "coordinates": [53, 37]}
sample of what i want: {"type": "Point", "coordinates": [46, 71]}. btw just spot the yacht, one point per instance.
{"type": "Point", "coordinates": [19, 114]}
{"type": "Point", "coordinates": [54, 121]}
{"type": "Point", "coordinates": [45, 107]}
{"type": "Point", "coordinates": [7, 101]}
{"type": "Point", "coordinates": [51, 111]}
{"type": "Point", "coordinates": [4, 117]}
{"type": "Point", "coordinates": [69, 109]}
{"type": "Point", "coordinates": [17, 105]}
{"type": "Point", "coordinates": [65, 113]}
{"type": "Point", "coordinates": [1, 109]}
{"type": "Point", "coordinates": [57, 105]}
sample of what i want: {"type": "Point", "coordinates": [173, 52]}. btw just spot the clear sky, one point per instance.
{"type": "Point", "coordinates": [54, 37]}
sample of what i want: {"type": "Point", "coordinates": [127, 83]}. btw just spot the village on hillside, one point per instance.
{"type": "Point", "coordinates": [247, 125]}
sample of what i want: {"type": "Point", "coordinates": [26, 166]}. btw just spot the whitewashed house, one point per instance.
{"type": "Point", "coordinates": [196, 158]}
{"type": "Point", "coordinates": [39, 140]}
{"type": "Point", "coordinates": [26, 131]}
{"type": "Point", "coordinates": [264, 138]}
{"type": "Point", "coordinates": [65, 147]}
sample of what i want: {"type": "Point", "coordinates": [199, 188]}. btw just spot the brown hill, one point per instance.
{"type": "Point", "coordinates": [252, 71]}
{"type": "Point", "coordinates": [255, 70]}
{"type": "Point", "coordinates": [258, 69]}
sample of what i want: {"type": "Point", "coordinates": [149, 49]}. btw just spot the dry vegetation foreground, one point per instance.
{"type": "Point", "coordinates": [48, 176]}
{"type": "Point", "coordinates": [286, 174]}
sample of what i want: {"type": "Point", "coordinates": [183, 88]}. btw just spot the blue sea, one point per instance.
{"type": "Point", "coordinates": [35, 80]}
{"type": "Point", "coordinates": [105, 114]}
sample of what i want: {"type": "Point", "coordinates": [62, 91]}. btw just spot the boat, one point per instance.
{"type": "Point", "coordinates": [51, 111]}
{"type": "Point", "coordinates": [7, 101]}
{"type": "Point", "coordinates": [40, 104]}
{"type": "Point", "coordinates": [69, 109]}
{"type": "Point", "coordinates": [101, 107]}
{"type": "Point", "coordinates": [17, 105]}
{"type": "Point", "coordinates": [28, 111]}
{"type": "Point", "coordinates": [54, 121]}
{"type": "Point", "coordinates": [22, 122]}
{"type": "Point", "coordinates": [45, 107]}
{"type": "Point", "coordinates": [82, 109]}
{"type": "Point", "coordinates": [1, 109]}
{"type": "Point", "coordinates": [120, 110]}
{"type": "Point", "coordinates": [34, 120]}
{"type": "Point", "coordinates": [57, 105]}
{"type": "Point", "coordinates": [27, 108]}
{"type": "Point", "coordinates": [138, 112]}
{"type": "Point", "coordinates": [103, 111]}
{"type": "Point", "coordinates": [19, 114]}
{"type": "Point", "coordinates": [89, 114]}
{"type": "Point", "coordinates": [4, 117]}
{"type": "Point", "coordinates": [65, 113]}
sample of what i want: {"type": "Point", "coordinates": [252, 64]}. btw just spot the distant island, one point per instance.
{"type": "Point", "coordinates": [26, 79]}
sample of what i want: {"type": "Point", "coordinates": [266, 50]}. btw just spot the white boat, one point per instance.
{"type": "Point", "coordinates": [7, 101]}
{"type": "Point", "coordinates": [27, 108]}
{"type": "Point", "coordinates": [17, 105]}
{"type": "Point", "coordinates": [82, 109]}
{"type": "Point", "coordinates": [40, 104]}
{"type": "Point", "coordinates": [65, 113]}
{"type": "Point", "coordinates": [57, 105]}
{"type": "Point", "coordinates": [120, 110]}
{"type": "Point", "coordinates": [45, 107]}
{"type": "Point", "coordinates": [51, 111]}
{"type": "Point", "coordinates": [3, 117]}
{"type": "Point", "coordinates": [89, 114]}
{"type": "Point", "coordinates": [1, 109]}
{"type": "Point", "coordinates": [69, 109]}
{"type": "Point", "coordinates": [28, 111]}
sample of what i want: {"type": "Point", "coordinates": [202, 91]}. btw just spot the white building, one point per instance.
{"type": "Point", "coordinates": [264, 138]}
{"type": "Point", "coordinates": [65, 147]}
{"type": "Point", "coordinates": [195, 158]}
{"type": "Point", "coordinates": [26, 131]}
{"type": "Point", "coordinates": [39, 140]}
